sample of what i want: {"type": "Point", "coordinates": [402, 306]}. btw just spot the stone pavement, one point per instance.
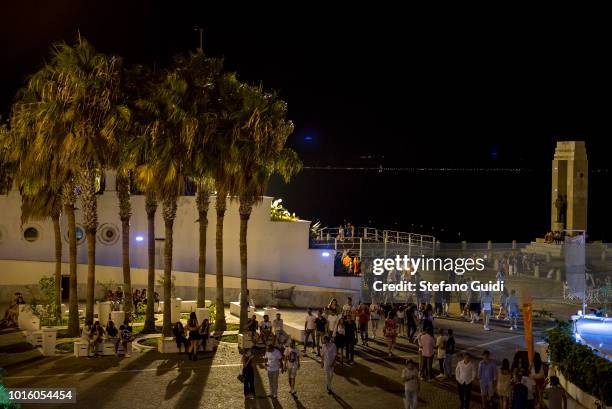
{"type": "Point", "coordinates": [14, 348]}
{"type": "Point", "coordinates": [154, 380]}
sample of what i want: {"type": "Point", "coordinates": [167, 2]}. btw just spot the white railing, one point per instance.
{"type": "Point", "coordinates": [370, 234]}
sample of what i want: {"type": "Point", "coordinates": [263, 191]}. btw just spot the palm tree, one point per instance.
{"type": "Point", "coordinates": [94, 80]}
{"type": "Point", "coordinates": [204, 73]}
{"type": "Point", "coordinates": [69, 108]}
{"type": "Point", "coordinates": [125, 213]}
{"type": "Point", "coordinates": [169, 142]}
{"type": "Point", "coordinates": [203, 193]}
{"type": "Point", "coordinates": [224, 165]}
{"type": "Point", "coordinates": [261, 150]}
{"type": "Point", "coordinates": [36, 136]}
{"type": "Point", "coordinates": [151, 209]}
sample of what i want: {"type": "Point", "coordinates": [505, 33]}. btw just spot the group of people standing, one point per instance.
{"type": "Point", "coordinates": [192, 336]}
{"type": "Point", "coordinates": [139, 297]}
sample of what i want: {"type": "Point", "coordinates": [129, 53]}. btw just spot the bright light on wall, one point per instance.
{"type": "Point", "coordinates": [139, 238]}
{"type": "Point", "coordinates": [325, 254]}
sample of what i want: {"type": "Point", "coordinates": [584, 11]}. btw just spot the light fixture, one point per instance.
{"type": "Point", "coordinates": [139, 238]}
{"type": "Point", "coordinates": [325, 254]}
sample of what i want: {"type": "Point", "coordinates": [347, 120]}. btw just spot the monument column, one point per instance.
{"type": "Point", "coordinates": [569, 186]}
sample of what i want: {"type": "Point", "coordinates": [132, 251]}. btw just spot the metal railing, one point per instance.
{"type": "Point", "coordinates": [358, 237]}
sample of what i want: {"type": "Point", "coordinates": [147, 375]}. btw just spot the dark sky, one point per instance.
{"type": "Point", "coordinates": [382, 87]}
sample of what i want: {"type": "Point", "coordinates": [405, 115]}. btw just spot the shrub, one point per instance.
{"type": "Point", "coordinates": [579, 364]}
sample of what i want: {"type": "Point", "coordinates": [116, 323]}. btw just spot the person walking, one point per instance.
{"type": "Point", "coordinates": [327, 363]}
{"type": "Point", "coordinates": [309, 330]}
{"type": "Point", "coordinates": [274, 364]}
{"type": "Point", "coordinates": [292, 363]}
{"type": "Point", "coordinates": [486, 301]}
{"type": "Point", "coordinates": [350, 333]}
{"type": "Point", "coordinates": [486, 375]}
{"type": "Point", "coordinates": [441, 351]}
{"type": "Point", "coordinates": [410, 376]}
{"type": "Point", "coordinates": [512, 307]}
{"type": "Point", "coordinates": [374, 318]}
{"type": "Point", "coordinates": [321, 329]}
{"type": "Point", "coordinates": [340, 339]}
{"type": "Point", "coordinates": [557, 399]}
{"type": "Point", "coordinates": [465, 375]}
{"type": "Point", "coordinates": [504, 384]}
{"type": "Point", "coordinates": [363, 319]}
{"type": "Point", "coordinates": [390, 332]}
{"type": "Point", "coordinates": [518, 394]}
{"type": "Point", "coordinates": [248, 374]}
{"type": "Point", "coordinates": [427, 345]}
{"type": "Point", "coordinates": [450, 352]}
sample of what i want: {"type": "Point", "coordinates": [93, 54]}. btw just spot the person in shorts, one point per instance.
{"type": "Point", "coordinates": [292, 363]}
{"type": "Point", "coordinates": [487, 371]}
{"type": "Point", "coordinates": [410, 376]}
{"type": "Point", "coordinates": [321, 330]}
{"type": "Point", "coordinates": [309, 329]}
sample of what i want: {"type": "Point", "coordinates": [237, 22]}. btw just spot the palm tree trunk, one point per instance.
{"type": "Point", "coordinates": [90, 222]}
{"type": "Point", "coordinates": [202, 202]}
{"type": "Point", "coordinates": [169, 213]}
{"type": "Point", "coordinates": [245, 209]}
{"type": "Point", "coordinates": [220, 324]}
{"type": "Point", "coordinates": [125, 213]}
{"type": "Point", "coordinates": [58, 264]}
{"type": "Point", "coordinates": [73, 302]}
{"type": "Point", "coordinates": [151, 209]}
{"type": "Point", "coordinates": [91, 273]}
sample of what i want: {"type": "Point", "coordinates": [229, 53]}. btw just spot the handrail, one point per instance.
{"type": "Point", "coordinates": [370, 234]}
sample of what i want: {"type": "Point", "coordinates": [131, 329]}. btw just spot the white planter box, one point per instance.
{"type": "Point", "coordinates": [235, 309]}
{"type": "Point", "coordinates": [80, 348]}
{"type": "Point", "coordinates": [167, 345]}
{"type": "Point", "coordinates": [118, 317]}
{"type": "Point", "coordinates": [35, 338]}
{"type": "Point", "coordinates": [48, 341]}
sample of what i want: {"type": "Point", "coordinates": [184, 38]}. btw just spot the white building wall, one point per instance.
{"type": "Point", "coordinates": [277, 251]}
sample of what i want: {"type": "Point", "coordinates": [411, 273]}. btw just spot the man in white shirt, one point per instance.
{"type": "Point", "coordinates": [410, 376]}
{"type": "Point", "coordinates": [348, 308]}
{"type": "Point", "coordinates": [277, 324]}
{"type": "Point", "coordinates": [327, 363]}
{"type": "Point", "coordinates": [274, 363]}
{"type": "Point", "coordinates": [309, 329]}
{"type": "Point", "coordinates": [292, 359]}
{"type": "Point", "coordinates": [465, 373]}
{"type": "Point", "coordinates": [332, 322]}
{"type": "Point", "coordinates": [265, 329]}
{"type": "Point", "coordinates": [427, 345]}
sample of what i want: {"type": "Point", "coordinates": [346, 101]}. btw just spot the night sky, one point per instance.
{"type": "Point", "coordinates": [479, 103]}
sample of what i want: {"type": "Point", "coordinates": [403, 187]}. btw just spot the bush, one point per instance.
{"type": "Point", "coordinates": [579, 364]}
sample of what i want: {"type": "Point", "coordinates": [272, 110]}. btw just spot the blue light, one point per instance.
{"type": "Point", "coordinates": [325, 254]}
{"type": "Point", "coordinates": [308, 138]}
{"type": "Point", "coordinates": [139, 238]}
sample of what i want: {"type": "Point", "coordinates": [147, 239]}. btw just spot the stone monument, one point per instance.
{"type": "Point", "coordinates": [570, 176]}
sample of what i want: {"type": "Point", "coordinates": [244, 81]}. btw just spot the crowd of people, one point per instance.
{"type": "Point", "coordinates": [335, 332]}
{"type": "Point", "coordinates": [193, 336]}
{"type": "Point", "coordinates": [139, 297]}
{"type": "Point", "coordinates": [94, 334]}
{"type": "Point", "coordinates": [556, 237]}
